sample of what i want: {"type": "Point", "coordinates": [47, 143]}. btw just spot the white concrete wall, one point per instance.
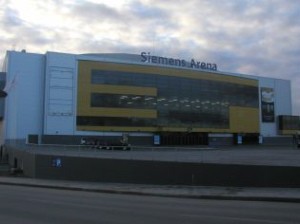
{"type": "Point", "coordinates": [60, 94]}
{"type": "Point", "coordinates": [283, 103]}
{"type": "Point", "coordinates": [283, 97]}
{"type": "Point", "coordinates": [25, 88]}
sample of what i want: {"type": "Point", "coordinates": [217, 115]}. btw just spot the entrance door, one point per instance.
{"type": "Point", "coordinates": [178, 138]}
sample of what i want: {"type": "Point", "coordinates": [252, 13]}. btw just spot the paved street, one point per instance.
{"type": "Point", "coordinates": [39, 205]}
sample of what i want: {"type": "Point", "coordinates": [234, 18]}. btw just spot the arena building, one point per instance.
{"type": "Point", "coordinates": [61, 98]}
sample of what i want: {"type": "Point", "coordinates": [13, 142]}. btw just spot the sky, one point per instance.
{"type": "Point", "coordinates": [255, 37]}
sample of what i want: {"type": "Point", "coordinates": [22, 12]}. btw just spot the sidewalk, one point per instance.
{"type": "Point", "coordinates": [196, 192]}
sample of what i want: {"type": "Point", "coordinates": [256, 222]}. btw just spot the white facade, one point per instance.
{"type": "Point", "coordinates": [282, 101]}
{"type": "Point", "coordinates": [42, 93]}
{"type": "Point", "coordinates": [25, 83]}
{"type": "Point", "coordinates": [60, 94]}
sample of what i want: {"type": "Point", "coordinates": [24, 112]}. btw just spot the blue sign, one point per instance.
{"type": "Point", "coordinates": [56, 162]}
{"type": "Point", "coordinates": [156, 140]}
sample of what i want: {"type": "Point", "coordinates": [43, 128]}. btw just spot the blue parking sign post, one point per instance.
{"type": "Point", "coordinates": [156, 139]}
{"type": "Point", "coordinates": [56, 162]}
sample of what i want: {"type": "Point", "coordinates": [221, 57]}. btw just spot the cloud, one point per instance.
{"type": "Point", "coordinates": [11, 18]}
{"type": "Point", "coordinates": [91, 12]}
{"type": "Point", "coordinates": [258, 37]}
{"type": "Point", "coordinates": [147, 11]}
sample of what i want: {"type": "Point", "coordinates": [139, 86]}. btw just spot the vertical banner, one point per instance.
{"type": "Point", "coordinates": [267, 104]}
{"type": "Point", "coordinates": [156, 139]}
{"type": "Point", "coordinates": [239, 139]}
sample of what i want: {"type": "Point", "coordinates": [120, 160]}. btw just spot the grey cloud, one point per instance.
{"type": "Point", "coordinates": [258, 37]}
{"type": "Point", "coordinates": [25, 35]}
{"type": "Point", "coordinates": [135, 20]}
{"type": "Point", "coordinates": [11, 18]}
{"type": "Point", "coordinates": [95, 12]}
{"type": "Point", "coordinates": [107, 45]}
{"type": "Point", "coordinates": [142, 11]}
{"type": "Point", "coordinates": [31, 36]}
{"type": "Point", "coordinates": [262, 42]}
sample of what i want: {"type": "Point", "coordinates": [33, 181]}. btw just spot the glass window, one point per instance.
{"type": "Point", "coordinates": [122, 101]}
{"type": "Point", "coordinates": [289, 123]}
{"type": "Point", "coordinates": [181, 102]}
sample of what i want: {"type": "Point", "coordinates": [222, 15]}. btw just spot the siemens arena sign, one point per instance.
{"type": "Point", "coordinates": [148, 58]}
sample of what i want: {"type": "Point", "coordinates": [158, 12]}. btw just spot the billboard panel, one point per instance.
{"type": "Point", "coordinates": [267, 104]}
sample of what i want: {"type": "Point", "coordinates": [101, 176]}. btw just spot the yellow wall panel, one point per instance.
{"type": "Point", "coordinates": [244, 120]}
{"type": "Point", "coordinates": [179, 72]}
{"type": "Point", "coordinates": [151, 129]}
{"type": "Point", "coordinates": [288, 132]}
{"type": "Point", "coordinates": [85, 88]}
{"type": "Point", "coordinates": [196, 129]}
{"type": "Point", "coordinates": [114, 128]}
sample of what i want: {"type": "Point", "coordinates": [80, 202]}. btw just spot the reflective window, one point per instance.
{"type": "Point", "coordinates": [289, 122]}
{"type": "Point", "coordinates": [123, 101]}
{"type": "Point", "coordinates": [115, 121]}
{"type": "Point", "coordinates": [180, 102]}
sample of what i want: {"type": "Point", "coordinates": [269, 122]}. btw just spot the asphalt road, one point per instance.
{"type": "Point", "coordinates": [40, 205]}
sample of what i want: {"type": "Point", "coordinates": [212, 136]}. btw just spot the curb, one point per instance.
{"type": "Point", "coordinates": [158, 194]}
